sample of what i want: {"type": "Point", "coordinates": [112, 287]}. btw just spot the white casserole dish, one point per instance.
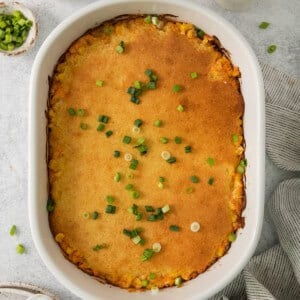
{"type": "Point", "coordinates": [225, 269]}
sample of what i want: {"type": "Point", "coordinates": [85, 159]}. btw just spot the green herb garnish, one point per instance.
{"type": "Point", "coordinates": [13, 230]}
{"type": "Point", "coordinates": [121, 47]}
{"type": "Point", "coordinates": [176, 88]}
{"type": "Point", "coordinates": [50, 205]}
{"type": "Point", "coordinates": [20, 249]}
{"type": "Point", "coordinates": [264, 25]}
{"type": "Point", "coordinates": [174, 228]}
{"type": "Point", "coordinates": [187, 149]}
{"type": "Point", "coordinates": [110, 209]}
{"type": "Point", "coordinates": [194, 179]}
{"type": "Point", "coordinates": [108, 133]}
{"type": "Point", "coordinates": [272, 48]}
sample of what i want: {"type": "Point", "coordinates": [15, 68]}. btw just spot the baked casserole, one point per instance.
{"type": "Point", "coordinates": [146, 157]}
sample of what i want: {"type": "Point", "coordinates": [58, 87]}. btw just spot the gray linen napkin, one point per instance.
{"type": "Point", "coordinates": [275, 274]}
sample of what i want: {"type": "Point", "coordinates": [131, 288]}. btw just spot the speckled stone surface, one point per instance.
{"type": "Point", "coordinates": [14, 79]}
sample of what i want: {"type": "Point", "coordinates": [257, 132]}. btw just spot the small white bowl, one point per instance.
{"type": "Point", "coordinates": [231, 264]}
{"type": "Point", "coordinates": [8, 9]}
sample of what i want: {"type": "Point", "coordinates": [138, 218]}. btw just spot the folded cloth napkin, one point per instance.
{"type": "Point", "coordinates": [275, 274]}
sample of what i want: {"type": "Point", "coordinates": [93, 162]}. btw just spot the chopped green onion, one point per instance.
{"type": "Point", "coordinates": [137, 85]}
{"type": "Point", "coordinates": [121, 47]}
{"type": "Point", "coordinates": [151, 85]}
{"type": "Point", "coordinates": [187, 149]}
{"type": "Point", "coordinates": [140, 141]}
{"type": "Point", "coordinates": [72, 111]}
{"type": "Point", "coordinates": [210, 161]}
{"type": "Point", "coordinates": [152, 276]}
{"type": "Point", "coordinates": [134, 194]}
{"type": "Point", "coordinates": [194, 75]}
{"type": "Point", "coordinates": [99, 247]}
{"type": "Point", "coordinates": [20, 249]}
{"type": "Point", "coordinates": [144, 283]}
{"type": "Point", "coordinates": [164, 140]}
{"type": "Point", "coordinates": [147, 20]}
{"type": "Point", "coordinates": [243, 163]}
{"type": "Point", "coordinates": [176, 88]}
{"type": "Point", "coordinates": [83, 126]}
{"type": "Point", "coordinates": [177, 140]}
{"type": "Point", "coordinates": [50, 205]}
{"type": "Point", "coordinates": [152, 218]}
{"type": "Point", "coordinates": [143, 149]}
{"type": "Point", "coordinates": [126, 139]}
{"type": "Point", "coordinates": [99, 83]}
{"type": "Point", "coordinates": [139, 216]}
{"type": "Point", "coordinates": [136, 129]}
{"type": "Point", "coordinates": [103, 119]}
{"type": "Point", "coordinates": [158, 123]}
{"type": "Point", "coordinates": [194, 179]}
{"type": "Point", "coordinates": [108, 133]}
{"type": "Point", "coordinates": [117, 153]}
{"type": "Point", "coordinates": [240, 169]}
{"type": "Point", "coordinates": [189, 190]}
{"type": "Point", "coordinates": [235, 138]}
{"type": "Point", "coordinates": [13, 230]}
{"type": "Point", "coordinates": [161, 179]}
{"type": "Point", "coordinates": [200, 33]}
{"type": "Point", "coordinates": [117, 177]}
{"type": "Point", "coordinates": [171, 160]}
{"type": "Point", "coordinates": [100, 127]}
{"type": "Point", "coordinates": [110, 199]}
{"type": "Point", "coordinates": [136, 240]}
{"type": "Point", "coordinates": [94, 215]}
{"type": "Point", "coordinates": [174, 228]}
{"type": "Point", "coordinates": [133, 165]}
{"type": "Point", "coordinates": [210, 180]}
{"type": "Point", "coordinates": [149, 208]}
{"type": "Point", "coordinates": [133, 209]}
{"type": "Point", "coordinates": [128, 157]}
{"type": "Point", "coordinates": [130, 176]}
{"type": "Point", "coordinates": [148, 72]}
{"type": "Point", "coordinates": [155, 20]}
{"type": "Point", "coordinates": [153, 77]}
{"type": "Point", "coordinates": [131, 90]}
{"type": "Point", "coordinates": [127, 232]}
{"type": "Point", "coordinates": [138, 123]}
{"type": "Point", "coordinates": [232, 237]}
{"type": "Point", "coordinates": [147, 254]}
{"type": "Point", "coordinates": [178, 281]}
{"type": "Point", "coordinates": [272, 48]}
{"type": "Point", "coordinates": [165, 208]}
{"type": "Point", "coordinates": [80, 112]}
{"type": "Point", "coordinates": [195, 227]}
{"type": "Point", "coordinates": [165, 155]}
{"type": "Point", "coordinates": [180, 108]}
{"type": "Point", "coordinates": [110, 209]}
{"type": "Point", "coordinates": [86, 215]}
{"type": "Point", "coordinates": [107, 30]}
{"type": "Point", "coordinates": [264, 25]}
{"type": "Point", "coordinates": [135, 100]}
{"type": "Point", "coordinates": [160, 185]}
{"type": "Point", "coordinates": [14, 30]}
{"type": "Point", "coordinates": [129, 187]}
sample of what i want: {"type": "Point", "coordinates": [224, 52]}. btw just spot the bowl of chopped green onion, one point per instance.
{"type": "Point", "coordinates": [18, 28]}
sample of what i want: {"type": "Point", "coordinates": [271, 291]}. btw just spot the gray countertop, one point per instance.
{"type": "Point", "coordinates": [284, 31]}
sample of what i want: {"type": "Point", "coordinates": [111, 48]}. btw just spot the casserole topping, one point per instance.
{"type": "Point", "coordinates": [180, 131]}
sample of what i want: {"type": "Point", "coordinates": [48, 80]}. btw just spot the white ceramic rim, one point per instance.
{"type": "Point", "coordinates": [37, 231]}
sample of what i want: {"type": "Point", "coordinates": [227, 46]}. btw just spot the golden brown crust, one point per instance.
{"type": "Point", "coordinates": [82, 166]}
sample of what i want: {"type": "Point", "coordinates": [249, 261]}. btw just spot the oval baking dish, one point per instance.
{"type": "Point", "coordinates": [225, 269]}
